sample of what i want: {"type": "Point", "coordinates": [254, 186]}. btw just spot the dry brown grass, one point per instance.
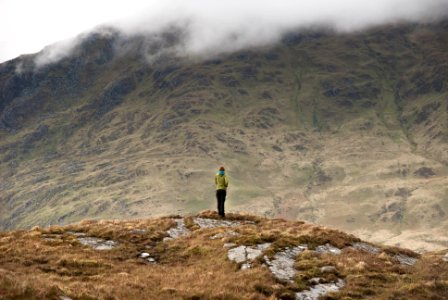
{"type": "Point", "coordinates": [196, 267]}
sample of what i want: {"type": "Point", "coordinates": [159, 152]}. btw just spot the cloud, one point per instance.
{"type": "Point", "coordinates": [216, 26]}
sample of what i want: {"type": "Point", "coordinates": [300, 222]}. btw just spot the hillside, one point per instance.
{"type": "Point", "coordinates": [205, 257]}
{"type": "Point", "coordinates": [344, 130]}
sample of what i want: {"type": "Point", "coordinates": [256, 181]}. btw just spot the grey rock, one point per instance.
{"type": "Point", "coordinates": [405, 260]}
{"type": "Point", "coordinates": [445, 258]}
{"type": "Point", "coordinates": [211, 223]}
{"type": "Point", "coordinates": [246, 266]}
{"type": "Point", "coordinates": [282, 266]}
{"type": "Point", "coordinates": [97, 243]}
{"type": "Point", "coordinates": [327, 248]}
{"type": "Point", "coordinates": [366, 247]}
{"type": "Point", "coordinates": [147, 256]}
{"type": "Point", "coordinates": [319, 290]}
{"type": "Point", "coordinates": [178, 231]}
{"type": "Point", "coordinates": [263, 246]}
{"type": "Point", "coordinates": [229, 245]}
{"type": "Point", "coordinates": [252, 253]}
{"type": "Point", "coordinates": [237, 254]}
{"type": "Point", "coordinates": [218, 236]}
{"type": "Point", "coordinates": [246, 254]}
{"type": "Point", "coordinates": [65, 298]}
{"type": "Point", "coordinates": [314, 280]}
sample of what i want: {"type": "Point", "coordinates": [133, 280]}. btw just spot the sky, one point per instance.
{"type": "Point", "coordinates": [27, 26]}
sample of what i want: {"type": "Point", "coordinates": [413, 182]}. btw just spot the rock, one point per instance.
{"type": "Point", "coordinates": [218, 236]}
{"type": "Point", "coordinates": [237, 254]}
{"type": "Point", "coordinates": [327, 248]}
{"type": "Point", "coordinates": [252, 253]}
{"type": "Point", "coordinates": [282, 266]}
{"type": "Point", "coordinates": [212, 223]}
{"type": "Point", "coordinates": [445, 258]}
{"type": "Point", "coordinates": [65, 298]}
{"type": "Point", "coordinates": [366, 247]}
{"type": "Point", "coordinates": [263, 246]}
{"type": "Point", "coordinates": [229, 245]}
{"type": "Point", "coordinates": [178, 231]}
{"type": "Point", "coordinates": [405, 260]}
{"type": "Point", "coordinates": [144, 255]}
{"type": "Point", "coordinates": [328, 269]}
{"type": "Point", "coordinates": [151, 259]}
{"type": "Point", "coordinates": [319, 290]}
{"type": "Point", "coordinates": [97, 243]}
{"type": "Point", "coordinates": [383, 256]}
{"type": "Point", "coordinates": [314, 280]}
{"type": "Point", "coordinates": [246, 254]}
{"type": "Point", "coordinates": [246, 266]}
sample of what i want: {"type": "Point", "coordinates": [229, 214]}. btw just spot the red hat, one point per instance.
{"type": "Point", "coordinates": [222, 169]}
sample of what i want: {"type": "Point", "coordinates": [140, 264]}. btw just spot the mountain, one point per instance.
{"type": "Point", "coordinates": [344, 130]}
{"type": "Point", "coordinates": [205, 257]}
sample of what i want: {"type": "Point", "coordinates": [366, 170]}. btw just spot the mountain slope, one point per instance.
{"type": "Point", "coordinates": [344, 130]}
{"type": "Point", "coordinates": [199, 257]}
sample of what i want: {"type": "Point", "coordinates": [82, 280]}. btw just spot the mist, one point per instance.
{"type": "Point", "coordinates": [213, 27]}
{"type": "Point", "coordinates": [224, 26]}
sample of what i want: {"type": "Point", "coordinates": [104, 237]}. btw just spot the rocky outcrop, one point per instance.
{"type": "Point", "coordinates": [282, 265]}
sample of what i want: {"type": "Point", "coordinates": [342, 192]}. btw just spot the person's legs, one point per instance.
{"type": "Point", "coordinates": [218, 201]}
{"type": "Point", "coordinates": [220, 205]}
{"type": "Point", "coordinates": [223, 199]}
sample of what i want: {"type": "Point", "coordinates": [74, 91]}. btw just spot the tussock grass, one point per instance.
{"type": "Point", "coordinates": [196, 267]}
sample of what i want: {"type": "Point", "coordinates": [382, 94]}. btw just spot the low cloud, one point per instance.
{"type": "Point", "coordinates": [214, 26]}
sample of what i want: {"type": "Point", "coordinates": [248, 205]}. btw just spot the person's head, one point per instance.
{"type": "Point", "coordinates": [221, 171]}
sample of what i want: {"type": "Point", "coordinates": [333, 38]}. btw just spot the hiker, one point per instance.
{"type": "Point", "coordinates": [221, 182]}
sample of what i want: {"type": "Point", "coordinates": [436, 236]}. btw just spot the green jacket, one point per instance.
{"type": "Point", "coordinates": [221, 181]}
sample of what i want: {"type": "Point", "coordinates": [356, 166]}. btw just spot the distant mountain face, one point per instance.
{"type": "Point", "coordinates": [343, 130]}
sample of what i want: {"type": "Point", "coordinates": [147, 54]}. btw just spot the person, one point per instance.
{"type": "Point", "coordinates": [221, 182]}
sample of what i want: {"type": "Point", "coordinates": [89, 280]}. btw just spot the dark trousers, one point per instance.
{"type": "Point", "coordinates": [221, 197]}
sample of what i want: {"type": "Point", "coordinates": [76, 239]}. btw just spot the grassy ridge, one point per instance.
{"type": "Point", "coordinates": [47, 263]}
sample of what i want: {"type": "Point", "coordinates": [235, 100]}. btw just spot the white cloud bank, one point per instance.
{"type": "Point", "coordinates": [211, 25]}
